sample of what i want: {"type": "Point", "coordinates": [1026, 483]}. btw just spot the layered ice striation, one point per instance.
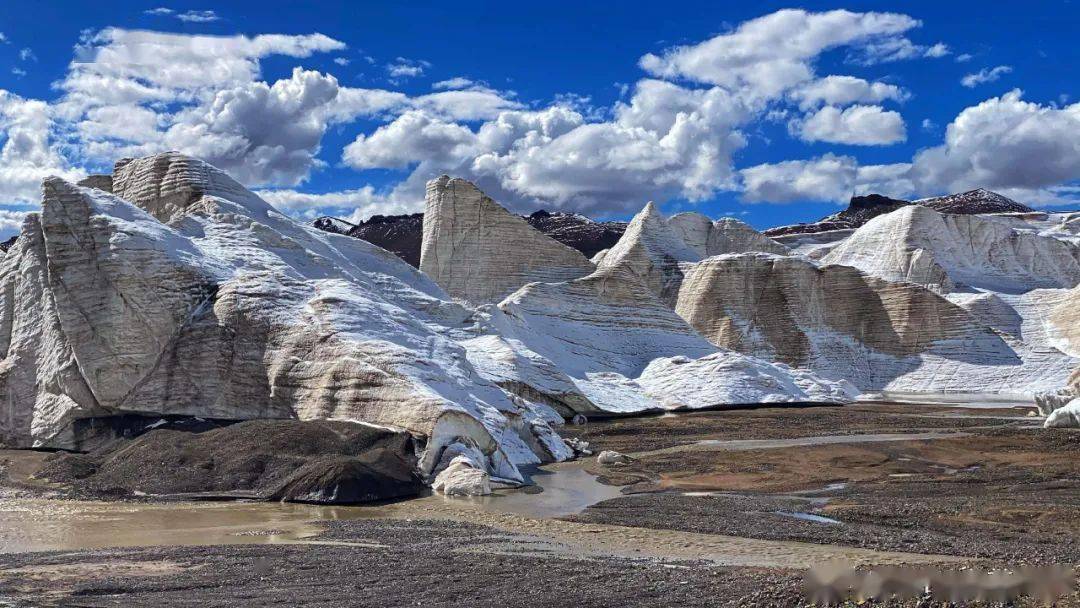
{"type": "Point", "coordinates": [183, 293]}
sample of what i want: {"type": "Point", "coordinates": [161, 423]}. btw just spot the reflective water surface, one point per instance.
{"type": "Point", "coordinates": [37, 524]}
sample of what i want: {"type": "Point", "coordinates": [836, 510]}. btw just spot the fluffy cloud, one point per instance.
{"type": "Point", "coordinates": [30, 152]}
{"type": "Point", "coordinates": [938, 50]}
{"type": "Point", "coordinates": [477, 103]}
{"type": "Point", "coordinates": [192, 16]}
{"type": "Point", "coordinates": [675, 133]}
{"type": "Point", "coordinates": [11, 222]}
{"type": "Point", "coordinates": [827, 178]}
{"type": "Point", "coordinates": [402, 68]}
{"type": "Point", "coordinates": [770, 54]}
{"type": "Point", "coordinates": [413, 137]}
{"type": "Point", "coordinates": [667, 141]}
{"type": "Point", "coordinates": [1004, 142]}
{"type": "Point", "coordinates": [985, 75]}
{"type": "Point", "coordinates": [260, 133]}
{"type": "Point", "coordinates": [351, 205]}
{"type": "Point", "coordinates": [896, 48]}
{"type": "Point", "coordinates": [1024, 150]}
{"type": "Point", "coordinates": [115, 66]}
{"type": "Point", "coordinates": [857, 125]}
{"type": "Point", "coordinates": [137, 92]}
{"type": "Point", "coordinates": [823, 179]}
{"type": "Point", "coordinates": [204, 16]}
{"type": "Point", "coordinates": [845, 90]}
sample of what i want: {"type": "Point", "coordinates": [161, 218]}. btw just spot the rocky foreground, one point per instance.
{"type": "Point", "coordinates": [956, 489]}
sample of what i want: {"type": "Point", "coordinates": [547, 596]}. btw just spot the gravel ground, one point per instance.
{"type": "Point", "coordinates": [424, 563]}
{"type": "Point", "coordinates": [910, 524]}
{"type": "Point", "coordinates": [421, 563]}
{"type": "Point", "coordinates": [657, 432]}
{"type": "Point", "coordinates": [1004, 492]}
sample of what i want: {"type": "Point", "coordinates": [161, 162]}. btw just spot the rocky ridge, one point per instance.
{"type": "Point", "coordinates": [398, 234]}
{"type": "Point", "coordinates": [862, 209]}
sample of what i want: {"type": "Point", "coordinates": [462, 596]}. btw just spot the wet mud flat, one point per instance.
{"type": "Point", "coordinates": [722, 508]}
{"type": "Point", "coordinates": [984, 483]}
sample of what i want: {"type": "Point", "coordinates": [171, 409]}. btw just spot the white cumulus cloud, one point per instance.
{"type": "Point", "coordinates": [856, 125]}
{"type": "Point", "coordinates": [1004, 142]}
{"type": "Point", "coordinates": [773, 53]}
{"type": "Point", "coordinates": [845, 90]}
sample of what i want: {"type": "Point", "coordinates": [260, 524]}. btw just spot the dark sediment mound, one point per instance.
{"type": "Point", "coordinates": [318, 461]}
{"type": "Point", "coordinates": [346, 480]}
{"type": "Point", "coordinates": [403, 234]}
{"type": "Point", "coordinates": [864, 208]}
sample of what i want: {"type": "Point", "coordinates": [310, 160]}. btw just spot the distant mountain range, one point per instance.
{"type": "Point", "coordinates": [862, 209]}
{"type": "Point", "coordinates": [402, 234]}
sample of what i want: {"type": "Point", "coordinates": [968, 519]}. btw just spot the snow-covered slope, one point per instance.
{"type": "Point", "coordinates": [1009, 279]}
{"type": "Point", "coordinates": [902, 304]}
{"type": "Point", "coordinates": [957, 253]}
{"type": "Point", "coordinates": [186, 294]}
{"type": "Point", "coordinates": [606, 343]}
{"type": "Point", "coordinates": [653, 251]}
{"type": "Point", "coordinates": [595, 343]}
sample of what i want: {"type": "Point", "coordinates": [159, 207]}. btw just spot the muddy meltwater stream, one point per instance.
{"type": "Point", "coordinates": [528, 518]}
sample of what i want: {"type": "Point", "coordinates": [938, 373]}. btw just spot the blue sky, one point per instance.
{"type": "Point", "coordinates": [724, 108]}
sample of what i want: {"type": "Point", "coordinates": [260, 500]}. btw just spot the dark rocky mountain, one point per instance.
{"type": "Point", "coordinates": [402, 234]}
{"type": "Point", "coordinates": [399, 234]}
{"type": "Point", "coordinates": [974, 201]}
{"type": "Point", "coordinates": [577, 231]}
{"type": "Point", "coordinates": [8, 243]}
{"type": "Point", "coordinates": [862, 209]}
